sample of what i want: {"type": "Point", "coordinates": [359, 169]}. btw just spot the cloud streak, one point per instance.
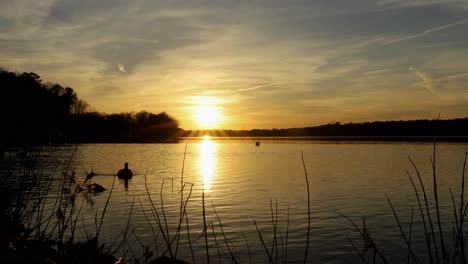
{"type": "Point", "coordinates": [257, 87]}
{"type": "Point", "coordinates": [121, 67]}
{"type": "Point", "coordinates": [428, 31]}
{"type": "Point", "coordinates": [427, 81]}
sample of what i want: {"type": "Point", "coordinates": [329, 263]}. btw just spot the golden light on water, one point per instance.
{"type": "Point", "coordinates": [207, 162]}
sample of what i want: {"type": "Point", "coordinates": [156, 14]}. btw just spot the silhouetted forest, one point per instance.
{"type": "Point", "coordinates": [33, 112]}
{"type": "Point", "coordinates": [446, 130]}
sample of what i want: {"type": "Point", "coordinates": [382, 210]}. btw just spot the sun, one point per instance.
{"type": "Point", "coordinates": [207, 116]}
{"type": "Point", "coordinates": [207, 112]}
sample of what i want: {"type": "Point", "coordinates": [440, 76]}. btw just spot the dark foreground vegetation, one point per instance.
{"type": "Point", "coordinates": [38, 113]}
{"type": "Point", "coordinates": [40, 212]}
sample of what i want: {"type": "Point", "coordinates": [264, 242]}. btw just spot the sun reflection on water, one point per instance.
{"type": "Point", "coordinates": [207, 161]}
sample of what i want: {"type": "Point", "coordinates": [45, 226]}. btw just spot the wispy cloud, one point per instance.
{"type": "Point", "coordinates": [420, 3]}
{"type": "Point", "coordinates": [459, 76]}
{"type": "Point", "coordinates": [428, 31]}
{"type": "Point", "coordinates": [121, 67]}
{"type": "Point", "coordinates": [427, 81]}
{"type": "Point", "coordinates": [257, 87]}
{"type": "Point", "coordinates": [376, 72]}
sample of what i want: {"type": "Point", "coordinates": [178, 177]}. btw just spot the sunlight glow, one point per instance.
{"type": "Point", "coordinates": [207, 162]}
{"type": "Point", "coordinates": [206, 112]}
{"type": "Point", "coordinates": [207, 116]}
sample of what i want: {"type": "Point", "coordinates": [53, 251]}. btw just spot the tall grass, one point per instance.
{"type": "Point", "coordinates": [45, 205]}
{"type": "Point", "coordinates": [437, 250]}
{"type": "Point", "coordinates": [59, 223]}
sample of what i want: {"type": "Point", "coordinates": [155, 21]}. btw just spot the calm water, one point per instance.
{"type": "Point", "coordinates": [246, 183]}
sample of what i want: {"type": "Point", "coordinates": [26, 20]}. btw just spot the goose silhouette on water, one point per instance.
{"type": "Point", "coordinates": [125, 173]}
{"type": "Point", "coordinates": [96, 188]}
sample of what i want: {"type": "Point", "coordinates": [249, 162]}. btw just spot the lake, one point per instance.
{"type": "Point", "coordinates": [266, 185]}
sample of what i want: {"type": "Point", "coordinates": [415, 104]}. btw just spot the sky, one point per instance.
{"type": "Point", "coordinates": [248, 64]}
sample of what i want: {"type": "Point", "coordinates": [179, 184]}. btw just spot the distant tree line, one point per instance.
{"type": "Point", "coordinates": [34, 112]}
{"type": "Point", "coordinates": [413, 129]}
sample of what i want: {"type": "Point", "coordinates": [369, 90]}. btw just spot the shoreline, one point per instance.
{"type": "Point", "coordinates": [431, 139]}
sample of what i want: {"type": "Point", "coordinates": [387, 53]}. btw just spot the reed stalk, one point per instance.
{"type": "Point", "coordinates": [410, 236]}
{"type": "Point", "coordinates": [158, 220]}
{"type": "Point", "coordinates": [76, 220]}
{"type": "Point", "coordinates": [457, 253]}
{"type": "Point", "coordinates": [287, 236]}
{"type": "Point", "coordinates": [216, 242]}
{"type": "Point", "coordinates": [308, 209]}
{"type": "Point", "coordinates": [189, 239]}
{"type": "Point", "coordinates": [274, 222]}
{"type": "Point", "coordinates": [436, 199]}
{"type": "Point", "coordinates": [184, 214]}
{"type": "Point", "coordinates": [105, 208]}
{"type": "Point", "coordinates": [233, 258]}
{"type": "Point", "coordinates": [125, 232]}
{"type": "Point", "coordinates": [426, 232]}
{"type": "Point", "coordinates": [181, 216]}
{"type": "Point", "coordinates": [162, 209]}
{"type": "Point", "coordinates": [428, 213]}
{"type": "Point", "coordinates": [408, 244]}
{"type": "Point", "coordinates": [460, 236]}
{"type": "Point", "coordinates": [155, 238]}
{"type": "Point", "coordinates": [368, 241]}
{"type": "Point", "coordinates": [263, 243]}
{"type": "Point", "coordinates": [207, 251]}
{"type": "Point", "coordinates": [248, 248]}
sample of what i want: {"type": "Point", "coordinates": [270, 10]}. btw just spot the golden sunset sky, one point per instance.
{"type": "Point", "coordinates": [229, 64]}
